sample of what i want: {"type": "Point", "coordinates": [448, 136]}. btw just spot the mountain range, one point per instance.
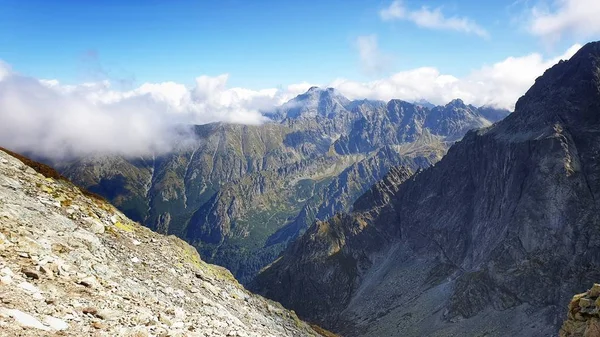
{"type": "Point", "coordinates": [368, 218]}
{"type": "Point", "coordinates": [492, 240]}
{"type": "Point", "coordinates": [241, 193]}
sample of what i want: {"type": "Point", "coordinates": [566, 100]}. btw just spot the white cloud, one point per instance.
{"type": "Point", "coordinates": [500, 84]}
{"type": "Point", "coordinates": [372, 59]}
{"type": "Point", "coordinates": [48, 118]}
{"type": "Point", "coordinates": [432, 19]}
{"type": "Point", "coordinates": [576, 18]}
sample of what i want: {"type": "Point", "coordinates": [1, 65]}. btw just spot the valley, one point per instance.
{"type": "Point", "coordinates": [241, 193]}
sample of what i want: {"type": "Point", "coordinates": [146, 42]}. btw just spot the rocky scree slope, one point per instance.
{"type": "Point", "coordinates": [75, 265]}
{"type": "Point", "coordinates": [240, 193]}
{"type": "Point", "coordinates": [492, 240]}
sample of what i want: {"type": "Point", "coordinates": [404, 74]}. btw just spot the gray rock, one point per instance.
{"type": "Point", "coordinates": [492, 240]}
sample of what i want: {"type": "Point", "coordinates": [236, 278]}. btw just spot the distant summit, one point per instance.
{"type": "Point", "coordinates": [314, 102]}
{"type": "Point", "coordinates": [424, 103]}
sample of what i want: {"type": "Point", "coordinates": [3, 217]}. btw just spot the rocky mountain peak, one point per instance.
{"type": "Point", "coordinates": [457, 102]}
{"type": "Point", "coordinates": [455, 119]}
{"type": "Point", "coordinates": [568, 93]}
{"type": "Point", "coordinates": [313, 92]}
{"type": "Point", "coordinates": [315, 102]}
{"type": "Point", "coordinates": [399, 102]}
{"type": "Point", "coordinates": [424, 103]}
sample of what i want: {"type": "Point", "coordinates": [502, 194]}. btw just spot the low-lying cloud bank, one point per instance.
{"type": "Point", "coordinates": [47, 118]}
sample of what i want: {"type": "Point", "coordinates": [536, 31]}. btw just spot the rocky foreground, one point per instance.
{"type": "Point", "coordinates": [583, 319]}
{"type": "Point", "coordinates": [72, 264]}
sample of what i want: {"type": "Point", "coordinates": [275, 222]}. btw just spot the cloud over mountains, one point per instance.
{"type": "Point", "coordinates": [48, 118]}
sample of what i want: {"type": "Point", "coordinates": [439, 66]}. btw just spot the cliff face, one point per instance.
{"type": "Point", "coordinates": [491, 240]}
{"type": "Point", "coordinates": [73, 264]}
{"type": "Point", "coordinates": [319, 271]}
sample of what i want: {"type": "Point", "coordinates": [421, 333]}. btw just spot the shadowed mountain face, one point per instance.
{"type": "Point", "coordinates": [240, 193]}
{"type": "Point", "coordinates": [492, 240]}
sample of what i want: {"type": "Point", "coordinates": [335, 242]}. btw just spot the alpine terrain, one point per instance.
{"type": "Point", "coordinates": [241, 193]}
{"type": "Point", "coordinates": [492, 240]}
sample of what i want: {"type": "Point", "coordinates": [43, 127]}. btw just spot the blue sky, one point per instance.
{"type": "Point", "coordinates": [119, 76]}
{"type": "Point", "coordinates": [260, 44]}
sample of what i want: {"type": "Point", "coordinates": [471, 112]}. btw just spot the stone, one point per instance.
{"type": "Point", "coordinates": [95, 226]}
{"type": "Point", "coordinates": [32, 290]}
{"type": "Point", "coordinates": [5, 280]}
{"type": "Point", "coordinates": [31, 273]}
{"type": "Point", "coordinates": [6, 271]}
{"type": "Point", "coordinates": [594, 292]}
{"type": "Point", "coordinates": [56, 323]}
{"type": "Point", "coordinates": [24, 319]}
{"type": "Point", "coordinates": [108, 314]}
{"type": "Point", "coordinates": [164, 320]}
{"type": "Point", "coordinates": [90, 311]}
{"type": "Point", "coordinates": [47, 270]}
{"type": "Point", "coordinates": [593, 328]}
{"type": "Point", "coordinates": [89, 282]}
{"type": "Point", "coordinates": [99, 325]}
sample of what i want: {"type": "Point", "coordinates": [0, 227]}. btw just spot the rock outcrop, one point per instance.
{"type": "Point", "coordinates": [70, 263]}
{"type": "Point", "coordinates": [492, 240]}
{"type": "Point", "coordinates": [583, 318]}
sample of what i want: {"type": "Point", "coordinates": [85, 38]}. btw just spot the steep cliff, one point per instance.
{"type": "Point", "coordinates": [492, 240]}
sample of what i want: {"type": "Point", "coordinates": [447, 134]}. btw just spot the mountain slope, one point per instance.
{"type": "Point", "coordinates": [71, 264]}
{"type": "Point", "coordinates": [492, 240]}
{"type": "Point", "coordinates": [240, 193]}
